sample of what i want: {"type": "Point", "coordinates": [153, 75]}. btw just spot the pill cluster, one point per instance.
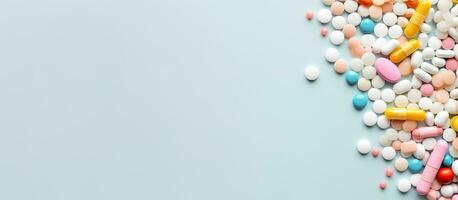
{"type": "Point", "coordinates": [404, 60]}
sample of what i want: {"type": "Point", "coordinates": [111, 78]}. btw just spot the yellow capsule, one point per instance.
{"type": "Point", "coordinates": [410, 114]}
{"type": "Point", "coordinates": [405, 50]}
{"type": "Point", "coordinates": [417, 19]}
{"type": "Point", "coordinates": [455, 1]}
{"type": "Point", "coordinates": [454, 123]}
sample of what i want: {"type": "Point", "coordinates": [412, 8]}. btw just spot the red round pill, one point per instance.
{"type": "Point", "coordinates": [445, 175]}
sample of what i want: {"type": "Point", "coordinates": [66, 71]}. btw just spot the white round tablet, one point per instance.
{"type": "Point", "coordinates": [338, 22]}
{"type": "Point", "coordinates": [324, 16]}
{"type": "Point", "coordinates": [332, 55]}
{"type": "Point", "coordinates": [395, 32]}
{"type": "Point", "coordinates": [429, 143]}
{"type": "Point", "coordinates": [401, 164]}
{"type": "Point", "coordinates": [370, 118]}
{"type": "Point", "coordinates": [368, 58]}
{"type": "Point", "coordinates": [404, 136]}
{"type": "Point", "coordinates": [449, 135]}
{"type": "Point", "coordinates": [380, 30]}
{"type": "Point", "coordinates": [379, 106]}
{"type": "Point", "coordinates": [363, 146]}
{"type": "Point", "coordinates": [425, 103]}
{"type": "Point", "coordinates": [399, 8]}
{"type": "Point", "coordinates": [357, 64]}
{"type": "Point", "coordinates": [420, 152]}
{"type": "Point", "coordinates": [390, 19]}
{"type": "Point", "coordinates": [311, 73]}
{"type": "Point", "coordinates": [404, 185]}
{"type": "Point", "coordinates": [378, 82]}
{"type": "Point", "coordinates": [367, 40]}
{"type": "Point", "coordinates": [383, 122]}
{"type": "Point", "coordinates": [364, 84]}
{"type": "Point", "coordinates": [337, 37]}
{"type": "Point", "coordinates": [384, 141]}
{"type": "Point", "coordinates": [414, 95]}
{"type": "Point", "coordinates": [434, 43]}
{"type": "Point", "coordinates": [373, 94]}
{"type": "Point", "coordinates": [350, 6]}
{"type": "Point", "coordinates": [391, 134]}
{"type": "Point", "coordinates": [414, 179]}
{"type": "Point", "coordinates": [369, 72]}
{"type": "Point", "coordinates": [388, 153]}
{"type": "Point", "coordinates": [436, 107]}
{"type": "Point", "coordinates": [354, 18]}
{"type": "Point", "coordinates": [388, 95]}
{"type": "Point", "coordinates": [401, 101]}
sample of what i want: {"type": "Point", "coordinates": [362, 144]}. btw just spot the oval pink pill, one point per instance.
{"type": "Point", "coordinates": [387, 70]}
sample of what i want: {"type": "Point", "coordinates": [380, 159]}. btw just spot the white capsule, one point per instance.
{"type": "Point", "coordinates": [431, 69]}
{"type": "Point", "coordinates": [390, 46]}
{"type": "Point", "coordinates": [417, 59]}
{"type": "Point", "coordinates": [402, 87]}
{"type": "Point", "coordinates": [422, 75]}
{"type": "Point", "coordinates": [416, 83]}
{"type": "Point", "coordinates": [438, 62]}
{"type": "Point", "coordinates": [445, 53]}
{"type": "Point", "coordinates": [426, 28]}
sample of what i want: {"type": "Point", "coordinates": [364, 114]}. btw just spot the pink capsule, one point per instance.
{"type": "Point", "coordinates": [324, 31]}
{"type": "Point", "coordinates": [382, 185]}
{"type": "Point", "coordinates": [389, 172]}
{"type": "Point", "coordinates": [426, 132]}
{"type": "Point", "coordinates": [375, 152]}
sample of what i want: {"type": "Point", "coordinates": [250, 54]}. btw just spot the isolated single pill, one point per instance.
{"type": "Point", "coordinates": [426, 132]}
{"type": "Point", "coordinates": [417, 19]}
{"type": "Point", "coordinates": [432, 166]}
{"type": "Point", "coordinates": [405, 114]}
{"type": "Point", "coordinates": [405, 50]}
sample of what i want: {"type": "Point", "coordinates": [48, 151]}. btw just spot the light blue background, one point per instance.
{"type": "Point", "coordinates": [175, 100]}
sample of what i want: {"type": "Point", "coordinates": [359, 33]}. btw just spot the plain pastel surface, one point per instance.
{"type": "Point", "coordinates": [176, 100]}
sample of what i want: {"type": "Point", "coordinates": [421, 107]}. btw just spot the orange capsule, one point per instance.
{"type": "Point", "coordinates": [411, 3]}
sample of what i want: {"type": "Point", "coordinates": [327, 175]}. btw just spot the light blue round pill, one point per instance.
{"type": "Point", "coordinates": [415, 165]}
{"type": "Point", "coordinates": [360, 101]}
{"type": "Point", "coordinates": [367, 26]}
{"type": "Point", "coordinates": [351, 77]}
{"type": "Point", "coordinates": [448, 160]}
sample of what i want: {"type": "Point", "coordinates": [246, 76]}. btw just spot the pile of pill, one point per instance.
{"type": "Point", "coordinates": [404, 60]}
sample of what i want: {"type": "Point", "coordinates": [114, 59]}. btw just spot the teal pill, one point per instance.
{"type": "Point", "coordinates": [415, 165]}
{"type": "Point", "coordinates": [448, 160]}
{"type": "Point", "coordinates": [367, 26]}
{"type": "Point", "coordinates": [351, 77]}
{"type": "Point", "coordinates": [360, 101]}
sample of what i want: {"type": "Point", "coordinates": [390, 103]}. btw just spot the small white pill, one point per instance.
{"type": "Point", "coordinates": [338, 22]}
{"type": "Point", "coordinates": [404, 185]}
{"type": "Point", "coordinates": [445, 53]}
{"type": "Point", "coordinates": [401, 164]}
{"type": "Point", "coordinates": [414, 179]}
{"type": "Point", "coordinates": [370, 118]}
{"type": "Point", "coordinates": [311, 73]}
{"type": "Point", "coordinates": [402, 86]}
{"type": "Point", "coordinates": [404, 136]}
{"type": "Point", "coordinates": [374, 94]}
{"type": "Point", "coordinates": [383, 122]}
{"type": "Point", "coordinates": [350, 6]}
{"type": "Point", "coordinates": [429, 143]}
{"type": "Point", "coordinates": [337, 37]}
{"type": "Point", "coordinates": [434, 43]}
{"type": "Point", "coordinates": [423, 38]}
{"type": "Point", "coordinates": [428, 53]}
{"type": "Point", "coordinates": [388, 153]}
{"type": "Point", "coordinates": [441, 118]}
{"type": "Point", "coordinates": [357, 64]}
{"type": "Point", "coordinates": [369, 72]}
{"type": "Point", "coordinates": [363, 146]}
{"type": "Point", "coordinates": [354, 18]}
{"type": "Point", "coordinates": [431, 69]}
{"type": "Point", "coordinates": [422, 75]}
{"type": "Point", "coordinates": [390, 19]}
{"type": "Point", "coordinates": [324, 16]}
{"type": "Point", "coordinates": [363, 11]}
{"type": "Point", "coordinates": [436, 107]}
{"type": "Point", "coordinates": [399, 8]}
{"type": "Point", "coordinates": [438, 62]}
{"type": "Point", "coordinates": [377, 82]}
{"type": "Point", "coordinates": [425, 103]}
{"type": "Point", "coordinates": [332, 55]}
{"type": "Point", "coordinates": [449, 135]}
{"type": "Point", "coordinates": [401, 101]}
{"type": "Point", "coordinates": [380, 30]}
{"type": "Point", "coordinates": [414, 95]}
{"type": "Point", "coordinates": [388, 95]}
{"type": "Point", "coordinates": [379, 106]}
{"type": "Point", "coordinates": [429, 119]}
{"type": "Point", "coordinates": [417, 59]}
{"type": "Point", "coordinates": [364, 84]}
{"type": "Point", "coordinates": [368, 58]}
{"type": "Point", "coordinates": [402, 22]}
{"type": "Point", "coordinates": [395, 32]}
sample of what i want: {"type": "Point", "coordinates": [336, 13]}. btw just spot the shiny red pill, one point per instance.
{"type": "Point", "coordinates": [445, 175]}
